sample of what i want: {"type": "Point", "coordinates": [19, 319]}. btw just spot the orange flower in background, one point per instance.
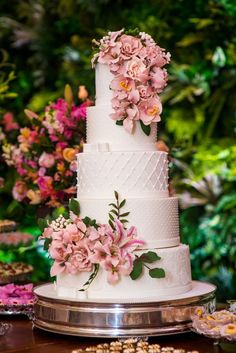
{"type": "Point", "coordinates": [82, 93]}
{"type": "Point", "coordinates": [34, 197]}
{"type": "Point", "coordinates": [69, 154]}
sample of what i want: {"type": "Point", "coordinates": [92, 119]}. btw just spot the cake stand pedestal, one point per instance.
{"type": "Point", "coordinates": [121, 319]}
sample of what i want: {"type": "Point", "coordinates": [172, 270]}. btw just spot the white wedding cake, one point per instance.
{"type": "Point", "coordinates": [125, 159]}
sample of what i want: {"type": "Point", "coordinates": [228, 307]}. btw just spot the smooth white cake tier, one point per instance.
{"type": "Point", "coordinates": [103, 78]}
{"type": "Point", "coordinates": [101, 129]}
{"type": "Point", "coordinates": [156, 220]}
{"type": "Point", "coordinates": [133, 174]}
{"type": "Point", "coordinates": [175, 261]}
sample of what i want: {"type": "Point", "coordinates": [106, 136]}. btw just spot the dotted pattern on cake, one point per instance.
{"type": "Point", "coordinates": [132, 173]}
{"type": "Point", "coordinates": [156, 220]}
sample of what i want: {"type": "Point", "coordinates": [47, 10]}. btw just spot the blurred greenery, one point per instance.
{"type": "Point", "coordinates": [49, 44]}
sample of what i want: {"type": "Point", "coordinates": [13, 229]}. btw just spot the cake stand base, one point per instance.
{"type": "Point", "coordinates": [172, 315]}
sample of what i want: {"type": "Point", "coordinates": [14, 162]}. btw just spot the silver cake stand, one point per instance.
{"type": "Point", "coordinates": [171, 315]}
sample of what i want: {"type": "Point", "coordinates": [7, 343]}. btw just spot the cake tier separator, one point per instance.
{"type": "Point", "coordinates": [171, 315]}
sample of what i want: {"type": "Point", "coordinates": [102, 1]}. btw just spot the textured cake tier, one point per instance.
{"type": "Point", "coordinates": [156, 220]}
{"type": "Point", "coordinates": [175, 261]}
{"type": "Point", "coordinates": [132, 174]}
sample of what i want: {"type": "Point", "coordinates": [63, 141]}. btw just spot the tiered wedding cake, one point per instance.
{"type": "Point", "coordinates": [129, 78]}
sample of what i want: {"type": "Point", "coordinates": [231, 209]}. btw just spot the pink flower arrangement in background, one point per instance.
{"type": "Point", "coordinates": [76, 247]}
{"type": "Point", "coordinates": [13, 294]}
{"type": "Point", "coordinates": [45, 155]}
{"type": "Point", "coordinates": [136, 62]}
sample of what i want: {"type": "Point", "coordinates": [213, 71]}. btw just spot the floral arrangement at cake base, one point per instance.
{"type": "Point", "coordinates": [44, 157]}
{"type": "Point", "coordinates": [82, 245]}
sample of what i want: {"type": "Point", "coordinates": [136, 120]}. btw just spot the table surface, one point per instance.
{"type": "Point", "coordinates": [24, 339]}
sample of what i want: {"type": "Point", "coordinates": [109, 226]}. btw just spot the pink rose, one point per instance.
{"type": "Point", "coordinates": [19, 190]}
{"type": "Point", "coordinates": [145, 92]}
{"type": "Point", "coordinates": [136, 70]}
{"type": "Point", "coordinates": [150, 110]}
{"type": "Point", "coordinates": [80, 260]}
{"type": "Point", "coordinates": [158, 78]}
{"type": "Point", "coordinates": [72, 234]}
{"type": "Point", "coordinates": [46, 160]}
{"type": "Point", "coordinates": [129, 46]}
{"type": "Point", "coordinates": [157, 56]}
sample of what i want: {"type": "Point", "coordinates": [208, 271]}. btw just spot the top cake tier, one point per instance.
{"type": "Point", "coordinates": [102, 132]}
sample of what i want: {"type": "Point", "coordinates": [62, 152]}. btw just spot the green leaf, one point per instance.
{"type": "Point", "coordinates": [114, 211]}
{"type": "Point", "coordinates": [57, 212]}
{"type": "Point", "coordinates": [91, 278]}
{"type": "Point", "coordinates": [125, 214]}
{"type": "Point", "coordinates": [123, 221]}
{"type": "Point", "coordinates": [116, 195]}
{"type": "Point", "coordinates": [74, 206]}
{"type": "Point", "coordinates": [122, 203]}
{"type": "Point", "coordinates": [42, 223]}
{"type": "Point", "coordinates": [113, 205]}
{"type": "Point", "coordinates": [150, 257]}
{"type": "Point", "coordinates": [119, 122]}
{"type": "Point", "coordinates": [46, 244]}
{"type": "Point", "coordinates": [227, 202]}
{"type": "Point", "coordinates": [111, 217]}
{"type": "Point", "coordinates": [157, 273]}
{"type": "Point", "coordinates": [111, 224]}
{"type": "Point", "coordinates": [137, 269]}
{"type": "Point", "coordinates": [90, 222]}
{"type": "Point", "coordinates": [146, 128]}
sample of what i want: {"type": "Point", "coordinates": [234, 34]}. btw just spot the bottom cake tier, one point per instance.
{"type": "Point", "coordinates": [175, 261]}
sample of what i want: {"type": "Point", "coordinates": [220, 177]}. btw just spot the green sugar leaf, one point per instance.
{"type": "Point", "coordinates": [157, 273]}
{"type": "Point", "coordinates": [114, 211]}
{"type": "Point", "coordinates": [150, 257]}
{"type": "Point", "coordinates": [125, 214]}
{"type": "Point", "coordinates": [113, 205]}
{"type": "Point", "coordinates": [46, 244]}
{"type": "Point", "coordinates": [119, 122]}
{"type": "Point", "coordinates": [146, 128]}
{"type": "Point", "coordinates": [122, 203]}
{"type": "Point", "coordinates": [137, 269]}
{"type": "Point", "coordinates": [111, 217]}
{"type": "Point", "coordinates": [74, 206]}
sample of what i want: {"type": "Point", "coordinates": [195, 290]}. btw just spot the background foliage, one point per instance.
{"type": "Point", "coordinates": [48, 44]}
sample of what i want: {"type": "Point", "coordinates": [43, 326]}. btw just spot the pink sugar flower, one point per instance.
{"type": "Point", "coordinates": [136, 70]}
{"type": "Point", "coordinates": [145, 92]}
{"type": "Point", "coordinates": [158, 78]}
{"type": "Point", "coordinates": [130, 46]}
{"type": "Point", "coordinates": [46, 160]}
{"type": "Point", "coordinates": [150, 110]}
{"type": "Point", "coordinates": [132, 115]}
{"type": "Point", "coordinates": [122, 84]}
{"type": "Point", "coordinates": [72, 233]}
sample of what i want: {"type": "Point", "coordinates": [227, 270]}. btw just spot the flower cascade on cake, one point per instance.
{"type": "Point", "coordinates": [82, 245]}
{"type": "Point", "coordinates": [137, 64]}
